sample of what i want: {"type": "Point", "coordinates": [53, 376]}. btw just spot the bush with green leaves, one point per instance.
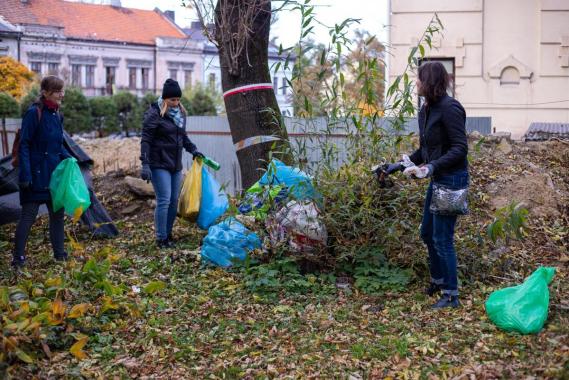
{"type": "Point", "coordinates": [129, 112]}
{"type": "Point", "coordinates": [510, 222]}
{"type": "Point", "coordinates": [8, 106]}
{"type": "Point", "coordinates": [76, 111]}
{"type": "Point", "coordinates": [147, 100]}
{"type": "Point", "coordinates": [104, 114]}
{"type": "Point", "coordinates": [203, 101]}
{"type": "Point", "coordinates": [30, 98]}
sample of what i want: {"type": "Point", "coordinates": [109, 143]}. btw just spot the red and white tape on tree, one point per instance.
{"type": "Point", "coordinates": [254, 140]}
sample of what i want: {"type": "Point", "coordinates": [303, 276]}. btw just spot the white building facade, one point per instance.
{"type": "Point", "coordinates": [509, 58]}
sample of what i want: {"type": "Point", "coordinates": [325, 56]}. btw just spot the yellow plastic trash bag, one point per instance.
{"type": "Point", "coordinates": [191, 193]}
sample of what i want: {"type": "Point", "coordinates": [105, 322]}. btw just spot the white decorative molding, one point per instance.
{"type": "Point", "coordinates": [496, 71]}
{"type": "Point", "coordinates": [564, 51]}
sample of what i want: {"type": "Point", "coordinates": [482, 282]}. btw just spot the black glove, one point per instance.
{"type": "Point", "coordinates": [388, 169]}
{"type": "Point", "coordinates": [24, 185]}
{"type": "Point", "coordinates": [146, 173]}
{"type": "Point", "coordinates": [197, 154]}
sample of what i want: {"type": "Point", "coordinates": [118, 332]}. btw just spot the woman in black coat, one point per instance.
{"type": "Point", "coordinates": [40, 151]}
{"type": "Point", "coordinates": [442, 157]}
{"type": "Point", "coordinates": [163, 140]}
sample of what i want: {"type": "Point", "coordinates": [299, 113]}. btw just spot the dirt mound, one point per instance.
{"type": "Point", "coordinates": [112, 154]}
{"type": "Point", "coordinates": [534, 174]}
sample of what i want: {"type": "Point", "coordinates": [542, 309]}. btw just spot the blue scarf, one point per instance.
{"type": "Point", "coordinates": [174, 112]}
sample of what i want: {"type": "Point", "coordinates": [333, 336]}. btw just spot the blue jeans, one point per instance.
{"type": "Point", "coordinates": [167, 189]}
{"type": "Point", "coordinates": [437, 231]}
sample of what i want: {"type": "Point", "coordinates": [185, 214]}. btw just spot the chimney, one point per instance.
{"type": "Point", "coordinates": [171, 15]}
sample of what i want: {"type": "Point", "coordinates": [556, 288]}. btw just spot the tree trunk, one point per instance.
{"type": "Point", "coordinates": [251, 113]}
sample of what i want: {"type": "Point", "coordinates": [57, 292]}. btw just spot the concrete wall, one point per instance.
{"type": "Point", "coordinates": [492, 41]}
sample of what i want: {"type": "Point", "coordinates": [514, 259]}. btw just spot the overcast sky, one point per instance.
{"type": "Point", "coordinates": [373, 15]}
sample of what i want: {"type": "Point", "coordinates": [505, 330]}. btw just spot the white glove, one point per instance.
{"type": "Point", "coordinates": [417, 172]}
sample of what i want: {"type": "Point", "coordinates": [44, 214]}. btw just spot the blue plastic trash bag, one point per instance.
{"type": "Point", "coordinates": [522, 308]}
{"type": "Point", "coordinates": [228, 242]}
{"type": "Point", "coordinates": [214, 201]}
{"type": "Point", "coordinates": [298, 182]}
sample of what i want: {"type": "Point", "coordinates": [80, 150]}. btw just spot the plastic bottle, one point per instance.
{"type": "Point", "coordinates": [211, 163]}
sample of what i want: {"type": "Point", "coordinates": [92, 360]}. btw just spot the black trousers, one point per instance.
{"type": "Point", "coordinates": [27, 220]}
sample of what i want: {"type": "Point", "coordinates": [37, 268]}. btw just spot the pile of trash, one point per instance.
{"type": "Point", "coordinates": [284, 201]}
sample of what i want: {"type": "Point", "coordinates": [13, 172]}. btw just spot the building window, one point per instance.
{"type": "Point", "coordinates": [283, 88]}
{"type": "Point", "coordinates": [90, 76]}
{"type": "Point", "coordinates": [276, 85]}
{"type": "Point", "coordinates": [109, 79]}
{"type": "Point", "coordinates": [53, 68]}
{"type": "Point", "coordinates": [448, 63]}
{"type": "Point", "coordinates": [188, 78]}
{"type": "Point", "coordinates": [36, 67]}
{"type": "Point", "coordinates": [76, 75]}
{"type": "Point", "coordinates": [510, 75]}
{"type": "Point", "coordinates": [174, 74]}
{"type": "Point", "coordinates": [132, 78]}
{"type": "Point", "coordinates": [145, 82]}
{"type": "Point", "coordinates": [211, 81]}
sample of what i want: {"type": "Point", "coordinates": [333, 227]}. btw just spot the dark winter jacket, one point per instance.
{"type": "Point", "coordinates": [41, 150]}
{"type": "Point", "coordinates": [162, 141]}
{"type": "Point", "coordinates": [443, 141]}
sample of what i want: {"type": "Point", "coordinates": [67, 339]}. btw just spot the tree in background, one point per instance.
{"type": "Point", "coordinates": [147, 100]}
{"type": "Point", "coordinates": [363, 70]}
{"type": "Point", "coordinates": [30, 98]}
{"type": "Point", "coordinates": [76, 111]}
{"type": "Point", "coordinates": [309, 80]}
{"type": "Point", "coordinates": [8, 108]}
{"type": "Point", "coordinates": [15, 78]}
{"type": "Point", "coordinates": [129, 113]}
{"type": "Point", "coordinates": [365, 74]}
{"type": "Point", "coordinates": [202, 100]}
{"type": "Point", "coordinates": [104, 114]}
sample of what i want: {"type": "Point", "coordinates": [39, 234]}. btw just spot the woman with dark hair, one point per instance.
{"type": "Point", "coordinates": [163, 138]}
{"type": "Point", "coordinates": [442, 157]}
{"type": "Point", "coordinates": [40, 151]}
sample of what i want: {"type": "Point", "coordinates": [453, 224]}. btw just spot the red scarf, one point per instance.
{"type": "Point", "coordinates": [52, 106]}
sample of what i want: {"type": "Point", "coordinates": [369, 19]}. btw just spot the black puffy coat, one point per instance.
{"type": "Point", "coordinates": [162, 141]}
{"type": "Point", "coordinates": [443, 140]}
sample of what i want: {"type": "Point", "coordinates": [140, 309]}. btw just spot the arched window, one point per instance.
{"type": "Point", "coordinates": [510, 75]}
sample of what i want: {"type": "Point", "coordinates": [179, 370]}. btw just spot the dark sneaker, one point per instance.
{"type": "Point", "coordinates": [446, 301]}
{"type": "Point", "coordinates": [18, 262]}
{"type": "Point", "coordinates": [164, 243]}
{"type": "Point", "coordinates": [171, 239]}
{"type": "Point", "coordinates": [61, 259]}
{"type": "Point", "coordinates": [432, 289]}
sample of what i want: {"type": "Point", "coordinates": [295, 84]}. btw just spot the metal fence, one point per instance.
{"type": "Point", "coordinates": [212, 136]}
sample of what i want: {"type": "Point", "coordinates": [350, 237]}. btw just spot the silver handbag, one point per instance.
{"type": "Point", "coordinates": [446, 201]}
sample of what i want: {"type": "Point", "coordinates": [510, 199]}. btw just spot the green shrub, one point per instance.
{"type": "Point", "coordinates": [77, 112]}
{"type": "Point", "coordinates": [8, 106]}
{"type": "Point", "coordinates": [104, 114]}
{"type": "Point", "coordinates": [28, 99]}
{"type": "Point", "coordinates": [129, 112]}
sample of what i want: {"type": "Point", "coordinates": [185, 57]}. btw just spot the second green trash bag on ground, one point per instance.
{"type": "Point", "coordinates": [522, 308]}
{"type": "Point", "coordinates": [68, 189]}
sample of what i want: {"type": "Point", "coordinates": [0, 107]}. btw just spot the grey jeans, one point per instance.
{"type": "Point", "coordinates": [27, 219]}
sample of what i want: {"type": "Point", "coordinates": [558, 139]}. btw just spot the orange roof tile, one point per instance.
{"type": "Point", "coordinates": [90, 21]}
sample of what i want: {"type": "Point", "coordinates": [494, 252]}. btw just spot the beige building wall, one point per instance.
{"type": "Point", "coordinates": [511, 57]}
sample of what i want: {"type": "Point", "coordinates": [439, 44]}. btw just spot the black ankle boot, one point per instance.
{"type": "Point", "coordinates": [164, 243]}
{"type": "Point", "coordinates": [432, 289]}
{"type": "Point", "coordinates": [447, 301]}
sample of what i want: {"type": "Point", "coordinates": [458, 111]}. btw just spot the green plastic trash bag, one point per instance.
{"type": "Point", "coordinates": [68, 189]}
{"type": "Point", "coordinates": [522, 308]}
